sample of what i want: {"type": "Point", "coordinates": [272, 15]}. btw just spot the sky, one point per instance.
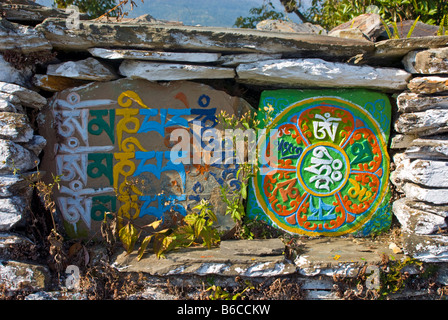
{"type": "Point", "coordinates": [189, 16]}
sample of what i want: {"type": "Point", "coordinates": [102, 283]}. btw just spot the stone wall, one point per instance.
{"type": "Point", "coordinates": [42, 57]}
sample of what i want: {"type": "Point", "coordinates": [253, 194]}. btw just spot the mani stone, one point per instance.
{"type": "Point", "coordinates": [320, 73]}
{"type": "Point", "coordinates": [331, 171]}
{"type": "Point", "coordinates": [88, 69]}
{"type": "Point", "coordinates": [433, 61]}
{"type": "Point", "coordinates": [133, 147]}
{"type": "Point", "coordinates": [429, 85]}
{"type": "Point", "coordinates": [128, 54]}
{"type": "Point", "coordinates": [167, 72]}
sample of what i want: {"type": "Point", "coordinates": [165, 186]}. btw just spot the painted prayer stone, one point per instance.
{"type": "Point", "coordinates": [331, 173]}
{"type": "Point", "coordinates": [111, 144]}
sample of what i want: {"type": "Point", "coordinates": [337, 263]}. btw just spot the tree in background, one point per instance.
{"type": "Point", "coordinates": [331, 13]}
{"type": "Point", "coordinates": [257, 14]}
{"type": "Point", "coordinates": [98, 8]}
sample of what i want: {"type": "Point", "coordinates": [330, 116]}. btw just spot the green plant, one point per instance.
{"type": "Point", "coordinates": [396, 34]}
{"type": "Point", "coordinates": [195, 228]}
{"type": "Point", "coordinates": [98, 8]}
{"type": "Point", "coordinates": [218, 293]}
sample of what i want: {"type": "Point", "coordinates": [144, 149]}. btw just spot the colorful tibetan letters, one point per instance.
{"type": "Point", "coordinates": [332, 173]}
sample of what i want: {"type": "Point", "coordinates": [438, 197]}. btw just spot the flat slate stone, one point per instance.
{"type": "Point", "coordinates": [249, 258]}
{"type": "Point", "coordinates": [89, 69]}
{"type": "Point", "coordinates": [26, 39]}
{"type": "Point", "coordinates": [27, 97]}
{"type": "Point", "coordinates": [413, 102]}
{"type": "Point", "coordinates": [429, 85]}
{"type": "Point", "coordinates": [129, 54]}
{"type": "Point", "coordinates": [92, 34]}
{"type": "Point", "coordinates": [320, 73]}
{"type": "Point", "coordinates": [168, 72]}
{"type": "Point", "coordinates": [433, 61]}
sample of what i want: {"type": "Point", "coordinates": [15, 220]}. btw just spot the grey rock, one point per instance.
{"type": "Point", "coordinates": [15, 127]}
{"type": "Point", "coordinates": [26, 39]}
{"type": "Point", "coordinates": [369, 24]}
{"type": "Point", "coordinates": [18, 276]}
{"type": "Point", "coordinates": [426, 248]}
{"type": "Point", "coordinates": [434, 147]}
{"type": "Point", "coordinates": [167, 72]}
{"type": "Point", "coordinates": [13, 210]}
{"type": "Point", "coordinates": [205, 39]}
{"type": "Point", "coordinates": [14, 156]}
{"type": "Point", "coordinates": [27, 97]}
{"type": "Point", "coordinates": [11, 185]}
{"type": "Point", "coordinates": [88, 69]}
{"type": "Point", "coordinates": [129, 54]}
{"type": "Point", "coordinates": [36, 144]}
{"type": "Point", "coordinates": [416, 220]}
{"type": "Point", "coordinates": [290, 26]}
{"type": "Point", "coordinates": [433, 61]}
{"type": "Point", "coordinates": [414, 102]}
{"type": "Point", "coordinates": [348, 34]}
{"type": "Point", "coordinates": [232, 60]}
{"type": "Point", "coordinates": [320, 73]}
{"type": "Point", "coordinates": [12, 75]}
{"type": "Point", "coordinates": [429, 173]}
{"type": "Point", "coordinates": [401, 141]}
{"type": "Point", "coordinates": [429, 122]}
{"type": "Point", "coordinates": [429, 85]}
{"type": "Point", "coordinates": [417, 193]}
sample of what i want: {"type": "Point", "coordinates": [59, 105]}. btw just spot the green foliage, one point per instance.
{"type": "Point", "coordinates": [94, 8]}
{"type": "Point", "coordinates": [196, 227]}
{"type": "Point", "coordinates": [257, 14]}
{"type": "Point", "coordinates": [330, 13]}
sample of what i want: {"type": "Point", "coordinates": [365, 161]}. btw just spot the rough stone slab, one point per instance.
{"type": "Point", "coordinates": [416, 220]}
{"type": "Point", "coordinates": [290, 26]}
{"type": "Point", "coordinates": [11, 185]}
{"type": "Point", "coordinates": [14, 156]}
{"type": "Point", "coordinates": [429, 85]}
{"type": "Point", "coordinates": [429, 122]}
{"type": "Point", "coordinates": [33, 12]}
{"type": "Point", "coordinates": [11, 243]}
{"type": "Point", "coordinates": [429, 173]}
{"type": "Point", "coordinates": [208, 39]}
{"type": "Point", "coordinates": [433, 61]}
{"type": "Point", "coordinates": [393, 50]}
{"type": "Point", "coordinates": [12, 75]}
{"type": "Point", "coordinates": [88, 69]}
{"type": "Point", "coordinates": [320, 73]}
{"type": "Point", "coordinates": [338, 256]}
{"type": "Point", "coordinates": [232, 60]}
{"type": "Point", "coordinates": [368, 24]}
{"type": "Point", "coordinates": [401, 141]}
{"type": "Point", "coordinates": [250, 258]}
{"type": "Point", "coordinates": [19, 275]}
{"type": "Point", "coordinates": [27, 97]}
{"type": "Point", "coordinates": [349, 34]}
{"type": "Point", "coordinates": [435, 147]}
{"type": "Point", "coordinates": [168, 72]}
{"type": "Point", "coordinates": [413, 102]}
{"type": "Point", "coordinates": [12, 211]}
{"type": "Point", "coordinates": [15, 127]}
{"type": "Point", "coordinates": [26, 39]}
{"type": "Point", "coordinates": [427, 248]}
{"type": "Point", "coordinates": [417, 193]}
{"type": "Point", "coordinates": [36, 144]}
{"type": "Point", "coordinates": [54, 83]}
{"type": "Point", "coordinates": [129, 54]}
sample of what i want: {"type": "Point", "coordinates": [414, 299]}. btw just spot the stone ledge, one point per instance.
{"type": "Point", "coordinates": [262, 258]}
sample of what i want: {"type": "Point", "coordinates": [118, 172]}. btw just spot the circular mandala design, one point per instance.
{"type": "Point", "coordinates": [331, 172]}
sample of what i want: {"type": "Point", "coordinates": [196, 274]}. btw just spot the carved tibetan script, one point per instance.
{"type": "Point", "coordinates": [332, 173]}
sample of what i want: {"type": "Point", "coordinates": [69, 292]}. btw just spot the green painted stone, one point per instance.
{"type": "Point", "coordinates": [332, 173]}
